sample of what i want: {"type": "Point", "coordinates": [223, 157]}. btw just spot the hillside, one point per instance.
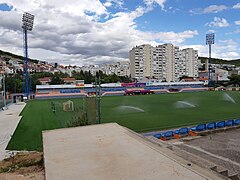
{"type": "Point", "coordinates": [213, 60]}
{"type": "Point", "coordinates": [9, 55]}
{"type": "Point", "coordinates": [221, 61]}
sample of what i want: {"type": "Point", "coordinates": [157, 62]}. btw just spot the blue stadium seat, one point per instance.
{"type": "Point", "coordinates": [229, 122]}
{"type": "Point", "coordinates": [211, 126]}
{"type": "Point", "coordinates": [183, 131]}
{"type": "Point", "coordinates": [200, 127]}
{"type": "Point", "coordinates": [237, 122]}
{"type": "Point", "coordinates": [167, 134]}
{"type": "Point", "coordinates": [176, 132]}
{"type": "Point", "coordinates": [158, 135]}
{"type": "Point", "coordinates": [220, 124]}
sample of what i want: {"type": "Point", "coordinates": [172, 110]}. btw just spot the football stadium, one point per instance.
{"type": "Point", "coordinates": [169, 115]}
{"type": "Point", "coordinates": [140, 107]}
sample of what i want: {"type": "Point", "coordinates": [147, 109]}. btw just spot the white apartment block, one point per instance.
{"type": "Point", "coordinates": [119, 68]}
{"type": "Point", "coordinates": [141, 61]}
{"type": "Point", "coordinates": [220, 75]}
{"type": "Point", "coordinates": [164, 62]}
{"type": "Point", "coordinates": [189, 60]}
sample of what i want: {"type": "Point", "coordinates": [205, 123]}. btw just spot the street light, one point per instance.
{"type": "Point", "coordinates": [27, 25]}
{"type": "Point", "coordinates": [209, 42]}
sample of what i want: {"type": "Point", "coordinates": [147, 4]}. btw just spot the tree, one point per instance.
{"type": "Point", "coordinates": [56, 80]}
{"type": "Point", "coordinates": [183, 77]}
{"type": "Point", "coordinates": [14, 84]}
{"type": "Point", "coordinates": [234, 80]}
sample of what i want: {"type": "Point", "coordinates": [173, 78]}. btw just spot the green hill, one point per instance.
{"type": "Point", "coordinates": [235, 62]}
{"type": "Point", "coordinates": [8, 56]}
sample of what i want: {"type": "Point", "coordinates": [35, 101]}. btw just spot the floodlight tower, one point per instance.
{"type": "Point", "coordinates": [27, 25]}
{"type": "Point", "coordinates": [209, 42]}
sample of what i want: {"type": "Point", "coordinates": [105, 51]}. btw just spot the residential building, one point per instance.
{"type": "Point", "coordinates": [164, 62]}
{"type": "Point", "coordinates": [189, 62]}
{"type": "Point", "coordinates": [45, 80]}
{"type": "Point", "coordinates": [141, 61]}
{"type": "Point", "coordinates": [69, 80]}
{"type": "Point", "coordinates": [220, 75]}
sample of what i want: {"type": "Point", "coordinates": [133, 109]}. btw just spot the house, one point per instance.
{"type": "Point", "coordinates": [45, 80]}
{"type": "Point", "coordinates": [69, 80]}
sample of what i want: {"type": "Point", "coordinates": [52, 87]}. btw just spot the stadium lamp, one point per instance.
{"type": "Point", "coordinates": [209, 42]}
{"type": "Point", "coordinates": [27, 20]}
{"type": "Point", "coordinates": [27, 25]}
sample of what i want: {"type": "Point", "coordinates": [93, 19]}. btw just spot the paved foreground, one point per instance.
{"type": "Point", "coordinates": [110, 151]}
{"type": "Point", "coordinates": [9, 120]}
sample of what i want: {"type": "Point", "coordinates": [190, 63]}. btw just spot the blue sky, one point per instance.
{"type": "Point", "coordinates": [5, 7]}
{"type": "Point", "coordinates": [103, 31]}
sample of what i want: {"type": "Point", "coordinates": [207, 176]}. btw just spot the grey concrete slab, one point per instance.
{"type": "Point", "coordinates": [9, 120]}
{"type": "Point", "coordinates": [107, 151]}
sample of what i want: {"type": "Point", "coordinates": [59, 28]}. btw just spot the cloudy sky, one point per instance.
{"type": "Point", "coordinates": [82, 32]}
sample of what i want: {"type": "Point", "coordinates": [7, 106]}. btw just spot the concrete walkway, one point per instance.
{"type": "Point", "coordinates": [9, 120]}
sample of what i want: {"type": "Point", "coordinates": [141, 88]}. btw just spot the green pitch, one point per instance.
{"type": "Point", "coordinates": [139, 113]}
{"type": "Point", "coordinates": [36, 117]}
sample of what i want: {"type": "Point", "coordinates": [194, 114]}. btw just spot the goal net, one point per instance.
{"type": "Point", "coordinates": [68, 106]}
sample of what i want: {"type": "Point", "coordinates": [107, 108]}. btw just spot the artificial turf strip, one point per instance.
{"type": "Point", "coordinates": [139, 113]}
{"type": "Point", "coordinates": [36, 117]}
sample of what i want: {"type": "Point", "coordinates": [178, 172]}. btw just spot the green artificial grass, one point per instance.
{"type": "Point", "coordinates": [140, 113]}
{"type": "Point", "coordinates": [36, 117]}
{"type": "Point", "coordinates": [161, 111]}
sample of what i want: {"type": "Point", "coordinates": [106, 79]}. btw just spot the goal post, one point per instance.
{"type": "Point", "coordinates": [68, 106]}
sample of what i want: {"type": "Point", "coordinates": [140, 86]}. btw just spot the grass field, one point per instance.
{"type": "Point", "coordinates": [139, 113]}
{"type": "Point", "coordinates": [38, 116]}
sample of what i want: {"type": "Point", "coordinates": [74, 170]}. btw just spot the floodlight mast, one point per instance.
{"type": "Point", "coordinates": [27, 25]}
{"type": "Point", "coordinates": [209, 42]}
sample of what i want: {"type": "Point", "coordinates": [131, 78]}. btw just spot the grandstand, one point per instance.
{"type": "Point", "coordinates": [58, 91]}
{"type": "Point", "coordinates": [110, 89]}
{"type": "Point", "coordinates": [199, 129]}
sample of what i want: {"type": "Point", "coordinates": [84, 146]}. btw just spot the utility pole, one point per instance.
{"type": "Point", "coordinates": [98, 99]}
{"type": "Point", "coordinates": [4, 93]}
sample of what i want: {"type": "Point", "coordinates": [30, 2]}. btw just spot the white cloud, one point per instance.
{"type": "Point", "coordinates": [224, 49]}
{"type": "Point", "coordinates": [173, 37]}
{"type": "Point", "coordinates": [211, 31]}
{"type": "Point", "coordinates": [150, 3]}
{"type": "Point", "coordinates": [218, 22]}
{"type": "Point", "coordinates": [214, 9]}
{"type": "Point", "coordinates": [237, 22]}
{"type": "Point", "coordinates": [74, 32]}
{"type": "Point", "coordinates": [116, 3]}
{"type": "Point", "coordinates": [237, 31]}
{"type": "Point", "coordinates": [209, 9]}
{"type": "Point", "coordinates": [236, 6]}
{"type": "Point", "coordinates": [79, 34]}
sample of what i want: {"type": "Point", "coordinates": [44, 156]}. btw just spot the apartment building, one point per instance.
{"type": "Point", "coordinates": [118, 68]}
{"type": "Point", "coordinates": [141, 61]}
{"type": "Point", "coordinates": [164, 62]}
{"type": "Point", "coordinates": [188, 65]}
